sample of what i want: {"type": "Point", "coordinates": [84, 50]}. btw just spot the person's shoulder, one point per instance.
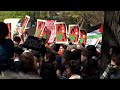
{"type": "Point", "coordinates": [9, 41]}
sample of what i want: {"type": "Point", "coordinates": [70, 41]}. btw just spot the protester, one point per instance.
{"type": "Point", "coordinates": [113, 69]}
{"type": "Point", "coordinates": [77, 54]}
{"type": "Point", "coordinates": [73, 69]}
{"type": "Point", "coordinates": [28, 64]}
{"type": "Point", "coordinates": [66, 57]}
{"type": "Point", "coordinates": [16, 40]}
{"type": "Point", "coordinates": [48, 70]}
{"type": "Point", "coordinates": [53, 61]}
{"type": "Point", "coordinates": [92, 65]}
{"type": "Point", "coordinates": [84, 61]}
{"type": "Point", "coordinates": [6, 48]}
{"type": "Point", "coordinates": [92, 51]}
{"type": "Point", "coordinates": [52, 47]}
{"type": "Point", "coordinates": [91, 70]}
{"type": "Point", "coordinates": [17, 59]}
{"type": "Point", "coordinates": [61, 49]}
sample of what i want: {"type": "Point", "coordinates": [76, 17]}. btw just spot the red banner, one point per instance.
{"type": "Point", "coordinates": [61, 33]}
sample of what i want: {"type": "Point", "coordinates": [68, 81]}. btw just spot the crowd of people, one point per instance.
{"type": "Point", "coordinates": [53, 61]}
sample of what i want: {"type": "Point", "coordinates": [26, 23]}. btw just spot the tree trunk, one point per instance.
{"type": "Point", "coordinates": [111, 35]}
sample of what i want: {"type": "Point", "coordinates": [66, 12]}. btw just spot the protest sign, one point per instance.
{"type": "Point", "coordinates": [61, 33]}
{"type": "Point", "coordinates": [44, 33]}
{"type": "Point", "coordinates": [40, 27]}
{"type": "Point", "coordinates": [11, 23]}
{"type": "Point", "coordinates": [24, 25]}
{"type": "Point", "coordinates": [83, 37]}
{"type": "Point", "coordinates": [50, 24]}
{"type": "Point", "coordinates": [33, 43]}
{"type": "Point", "coordinates": [74, 33]}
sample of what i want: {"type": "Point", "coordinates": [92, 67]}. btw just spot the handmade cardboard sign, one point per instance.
{"type": "Point", "coordinates": [83, 37]}
{"type": "Point", "coordinates": [61, 33]}
{"type": "Point", "coordinates": [33, 43]}
{"type": "Point", "coordinates": [24, 25]}
{"type": "Point", "coordinates": [50, 24]}
{"type": "Point", "coordinates": [74, 33]}
{"type": "Point", "coordinates": [40, 27]}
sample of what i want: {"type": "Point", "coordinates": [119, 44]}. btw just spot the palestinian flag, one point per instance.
{"type": "Point", "coordinates": [94, 37]}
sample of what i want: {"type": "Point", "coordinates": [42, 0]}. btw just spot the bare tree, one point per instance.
{"type": "Point", "coordinates": [111, 35]}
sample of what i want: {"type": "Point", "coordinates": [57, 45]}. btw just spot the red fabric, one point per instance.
{"type": "Point", "coordinates": [101, 28]}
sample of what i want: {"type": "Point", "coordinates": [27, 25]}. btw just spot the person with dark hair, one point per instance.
{"type": "Point", "coordinates": [66, 57]}
{"type": "Point", "coordinates": [73, 69]}
{"type": "Point", "coordinates": [84, 55]}
{"type": "Point", "coordinates": [28, 64]}
{"type": "Point", "coordinates": [50, 56]}
{"type": "Point", "coordinates": [43, 49]}
{"type": "Point", "coordinates": [17, 59]}
{"type": "Point", "coordinates": [92, 51]}
{"type": "Point", "coordinates": [52, 47]}
{"type": "Point", "coordinates": [60, 52]}
{"type": "Point", "coordinates": [61, 49]}
{"type": "Point", "coordinates": [84, 61]}
{"type": "Point", "coordinates": [48, 70]}
{"type": "Point", "coordinates": [57, 47]}
{"type": "Point", "coordinates": [6, 48]}
{"type": "Point", "coordinates": [91, 71]}
{"type": "Point", "coordinates": [113, 69]}
{"type": "Point", "coordinates": [16, 40]}
{"type": "Point", "coordinates": [37, 54]}
{"type": "Point", "coordinates": [77, 54]}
